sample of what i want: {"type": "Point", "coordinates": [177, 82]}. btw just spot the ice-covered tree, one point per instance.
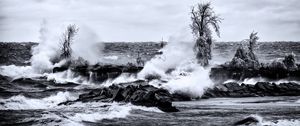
{"type": "Point", "coordinates": [67, 38]}
{"type": "Point", "coordinates": [252, 40]}
{"type": "Point", "coordinates": [204, 20]}
{"type": "Point", "coordinates": [244, 56]}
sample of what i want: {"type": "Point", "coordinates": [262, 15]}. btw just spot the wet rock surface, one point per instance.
{"type": "Point", "coordinates": [100, 73]}
{"type": "Point", "coordinates": [32, 87]}
{"type": "Point", "coordinates": [258, 90]}
{"type": "Point", "coordinates": [142, 95]}
{"type": "Point", "coordinates": [223, 73]}
{"type": "Point", "coordinates": [286, 68]}
{"type": "Point", "coordinates": [247, 121]}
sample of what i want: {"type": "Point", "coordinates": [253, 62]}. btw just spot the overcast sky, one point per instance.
{"type": "Point", "coordinates": [149, 20]}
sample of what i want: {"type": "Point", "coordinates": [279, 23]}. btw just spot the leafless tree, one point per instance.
{"type": "Point", "coordinates": [244, 56]}
{"type": "Point", "coordinates": [252, 40]}
{"type": "Point", "coordinates": [66, 40]}
{"type": "Point", "coordinates": [203, 20]}
{"type": "Point", "coordinates": [252, 43]}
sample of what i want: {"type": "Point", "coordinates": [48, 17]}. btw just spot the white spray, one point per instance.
{"type": "Point", "coordinates": [186, 75]}
{"type": "Point", "coordinates": [86, 45]}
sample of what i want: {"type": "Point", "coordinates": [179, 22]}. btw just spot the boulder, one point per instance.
{"type": "Point", "coordinates": [181, 96]}
{"type": "Point", "coordinates": [247, 121]}
{"type": "Point", "coordinates": [290, 62]}
{"type": "Point", "coordinates": [248, 90]}
{"type": "Point", "coordinates": [273, 71]}
{"type": "Point", "coordinates": [143, 95]}
{"type": "Point", "coordinates": [245, 65]}
{"type": "Point", "coordinates": [101, 73]}
{"type": "Point", "coordinates": [59, 69]}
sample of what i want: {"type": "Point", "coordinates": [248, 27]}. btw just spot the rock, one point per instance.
{"type": "Point", "coordinates": [4, 79]}
{"type": "Point", "coordinates": [232, 86]}
{"type": "Point", "coordinates": [273, 71]}
{"type": "Point", "coordinates": [247, 121]}
{"type": "Point", "coordinates": [290, 62]}
{"type": "Point", "coordinates": [248, 90]}
{"type": "Point", "coordinates": [117, 95]}
{"type": "Point", "coordinates": [60, 69]}
{"type": "Point", "coordinates": [245, 65]}
{"type": "Point", "coordinates": [98, 72]}
{"type": "Point", "coordinates": [101, 73]}
{"type": "Point", "coordinates": [137, 94]}
{"type": "Point", "coordinates": [180, 96]}
{"type": "Point", "coordinates": [152, 77]}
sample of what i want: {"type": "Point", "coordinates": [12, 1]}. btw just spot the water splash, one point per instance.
{"type": "Point", "coordinates": [177, 66]}
{"type": "Point", "coordinates": [20, 102]}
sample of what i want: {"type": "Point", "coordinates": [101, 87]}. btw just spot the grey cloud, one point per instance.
{"type": "Point", "coordinates": [136, 20]}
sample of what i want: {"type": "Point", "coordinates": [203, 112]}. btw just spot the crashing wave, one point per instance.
{"type": "Point", "coordinates": [21, 102]}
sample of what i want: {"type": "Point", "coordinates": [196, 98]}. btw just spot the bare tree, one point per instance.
{"type": "Point", "coordinates": [244, 56]}
{"type": "Point", "coordinates": [252, 43]}
{"type": "Point", "coordinates": [66, 40]}
{"type": "Point", "coordinates": [252, 40]}
{"type": "Point", "coordinates": [203, 19]}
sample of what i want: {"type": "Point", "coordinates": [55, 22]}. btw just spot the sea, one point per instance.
{"type": "Point", "coordinates": [36, 103]}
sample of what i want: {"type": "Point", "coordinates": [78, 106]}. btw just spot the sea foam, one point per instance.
{"type": "Point", "coordinates": [21, 102]}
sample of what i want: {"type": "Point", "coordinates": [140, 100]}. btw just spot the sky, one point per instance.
{"type": "Point", "coordinates": [149, 20]}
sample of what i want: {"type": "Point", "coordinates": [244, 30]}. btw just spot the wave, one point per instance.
{"type": "Point", "coordinates": [29, 72]}
{"type": "Point", "coordinates": [73, 114]}
{"type": "Point", "coordinates": [79, 113]}
{"type": "Point", "coordinates": [260, 79]}
{"type": "Point", "coordinates": [177, 70]}
{"type": "Point", "coordinates": [123, 78]}
{"type": "Point", "coordinates": [113, 110]}
{"type": "Point", "coordinates": [17, 71]}
{"type": "Point", "coordinates": [280, 122]}
{"type": "Point", "coordinates": [193, 82]}
{"type": "Point", "coordinates": [21, 102]}
{"type": "Point", "coordinates": [111, 57]}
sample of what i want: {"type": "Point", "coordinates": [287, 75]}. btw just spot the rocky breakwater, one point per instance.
{"type": "Point", "coordinates": [136, 94]}
{"type": "Point", "coordinates": [37, 87]}
{"type": "Point", "coordinates": [241, 68]}
{"type": "Point", "coordinates": [259, 89]}
{"type": "Point", "coordinates": [98, 72]}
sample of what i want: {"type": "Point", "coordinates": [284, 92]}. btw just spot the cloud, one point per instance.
{"type": "Point", "coordinates": [149, 20]}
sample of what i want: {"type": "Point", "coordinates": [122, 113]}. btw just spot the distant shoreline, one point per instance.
{"type": "Point", "coordinates": [168, 42]}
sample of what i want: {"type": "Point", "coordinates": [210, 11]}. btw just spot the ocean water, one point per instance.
{"type": "Point", "coordinates": [36, 103]}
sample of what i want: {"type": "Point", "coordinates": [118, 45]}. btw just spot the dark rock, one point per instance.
{"type": "Point", "coordinates": [152, 77]}
{"type": "Point", "coordinates": [143, 95]}
{"type": "Point", "coordinates": [60, 69]}
{"type": "Point", "coordinates": [180, 96]}
{"type": "Point", "coordinates": [290, 62]}
{"type": "Point", "coordinates": [232, 87]}
{"type": "Point", "coordinates": [101, 73]}
{"type": "Point", "coordinates": [4, 79]}
{"type": "Point", "coordinates": [117, 95]}
{"type": "Point", "coordinates": [248, 90]}
{"type": "Point", "coordinates": [274, 71]}
{"type": "Point", "coordinates": [245, 65]}
{"type": "Point", "coordinates": [247, 121]}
